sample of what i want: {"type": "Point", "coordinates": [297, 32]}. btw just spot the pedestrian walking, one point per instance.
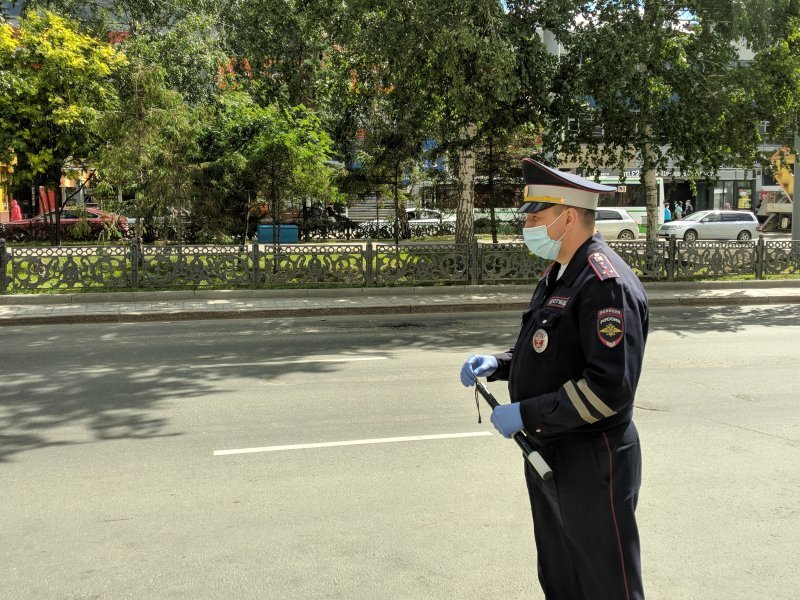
{"type": "Point", "coordinates": [678, 210]}
{"type": "Point", "coordinates": [689, 208]}
{"type": "Point", "coordinates": [667, 213]}
{"type": "Point", "coordinates": [572, 376]}
{"type": "Point", "coordinates": [16, 211]}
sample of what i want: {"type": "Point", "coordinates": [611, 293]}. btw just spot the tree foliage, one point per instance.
{"type": "Point", "coordinates": [191, 54]}
{"type": "Point", "coordinates": [776, 79]}
{"type": "Point", "coordinates": [150, 149]}
{"type": "Point", "coordinates": [456, 67]}
{"type": "Point", "coordinates": [658, 84]}
{"type": "Point", "coordinates": [264, 155]}
{"type": "Point", "coordinates": [104, 16]}
{"type": "Point", "coordinates": [54, 81]}
{"type": "Point", "coordinates": [280, 46]}
{"type": "Point", "coordinates": [224, 103]}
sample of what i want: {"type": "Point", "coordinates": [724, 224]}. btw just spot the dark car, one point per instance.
{"type": "Point", "coordinates": [76, 224]}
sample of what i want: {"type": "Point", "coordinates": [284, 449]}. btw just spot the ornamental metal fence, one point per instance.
{"type": "Point", "coordinates": [135, 266]}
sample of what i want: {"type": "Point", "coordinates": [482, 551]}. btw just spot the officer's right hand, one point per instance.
{"type": "Point", "coordinates": [478, 365]}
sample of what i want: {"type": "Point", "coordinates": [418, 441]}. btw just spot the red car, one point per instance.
{"type": "Point", "coordinates": [76, 224]}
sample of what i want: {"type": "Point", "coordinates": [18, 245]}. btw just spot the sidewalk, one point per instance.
{"type": "Point", "coordinates": [122, 307]}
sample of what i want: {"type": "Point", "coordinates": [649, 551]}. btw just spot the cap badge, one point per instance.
{"type": "Point", "coordinates": [540, 341]}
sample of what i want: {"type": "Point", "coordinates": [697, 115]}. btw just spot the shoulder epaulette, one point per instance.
{"type": "Point", "coordinates": [602, 267]}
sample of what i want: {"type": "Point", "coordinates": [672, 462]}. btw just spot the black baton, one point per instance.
{"type": "Point", "coordinates": [537, 462]}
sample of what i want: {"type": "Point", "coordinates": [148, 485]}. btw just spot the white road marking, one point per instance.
{"type": "Point", "coordinates": [288, 361]}
{"type": "Point", "coordinates": [412, 438]}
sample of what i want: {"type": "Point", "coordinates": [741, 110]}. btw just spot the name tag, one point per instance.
{"type": "Point", "coordinates": [558, 301]}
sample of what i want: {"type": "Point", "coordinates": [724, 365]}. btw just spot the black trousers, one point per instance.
{"type": "Point", "coordinates": [587, 541]}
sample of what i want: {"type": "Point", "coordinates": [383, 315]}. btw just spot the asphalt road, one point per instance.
{"type": "Point", "coordinates": [110, 486]}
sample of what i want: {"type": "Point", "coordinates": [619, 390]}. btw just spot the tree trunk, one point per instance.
{"type": "Point", "coordinates": [59, 207]}
{"type": "Point", "coordinates": [52, 219]}
{"type": "Point", "coordinates": [492, 202]}
{"type": "Point", "coordinates": [650, 187]}
{"type": "Point", "coordinates": [276, 210]}
{"type": "Point", "coordinates": [396, 205]}
{"type": "Point", "coordinates": [377, 212]}
{"type": "Point", "coordinates": [465, 215]}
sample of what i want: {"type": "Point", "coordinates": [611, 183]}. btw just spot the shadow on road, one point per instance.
{"type": "Point", "coordinates": [689, 320]}
{"type": "Point", "coordinates": [113, 379]}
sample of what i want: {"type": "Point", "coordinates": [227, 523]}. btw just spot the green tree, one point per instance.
{"type": "Point", "coordinates": [462, 64]}
{"type": "Point", "coordinates": [661, 81]}
{"type": "Point", "coordinates": [185, 37]}
{"type": "Point", "coordinates": [150, 149]}
{"type": "Point", "coordinates": [53, 81]}
{"type": "Point", "coordinates": [191, 53]}
{"type": "Point", "coordinates": [393, 127]}
{"type": "Point", "coordinates": [102, 17]}
{"type": "Point", "coordinates": [776, 79]}
{"type": "Point", "coordinates": [270, 153]}
{"type": "Point", "coordinates": [499, 160]}
{"type": "Point", "coordinates": [280, 47]}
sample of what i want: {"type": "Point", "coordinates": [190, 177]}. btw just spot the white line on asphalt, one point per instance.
{"type": "Point", "coordinates": [412, 438]}
{"type": "Point", "coordinates": [289, 361]}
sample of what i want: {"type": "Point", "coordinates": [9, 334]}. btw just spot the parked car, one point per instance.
{"type": "Point", "coordinates": [98, 224]}
{"type": "Point", "coordinates": [615, 223]}
{"type": "Point", "coordinates": [423, 216]}
{"type": "Point", "coordinates": [161, 226]}
{"type": "Point", "coordinates": [739, 225]}
{"type": "Point", "coordinates": [421, 222]}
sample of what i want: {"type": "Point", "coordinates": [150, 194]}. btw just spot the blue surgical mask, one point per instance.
{"type": "Point", "coordinates": [540, 243]}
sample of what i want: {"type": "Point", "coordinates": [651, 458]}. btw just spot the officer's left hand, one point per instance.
{"type": "Point", "coordinates": [507, 419]}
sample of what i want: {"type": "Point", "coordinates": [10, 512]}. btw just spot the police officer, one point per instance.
{"type": "Point", "coordinates": [572, 378]}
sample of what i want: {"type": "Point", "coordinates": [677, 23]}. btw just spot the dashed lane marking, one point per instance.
{"type": "Point", "coordinates": [288, 361]}
{"type": "Point", "coordinates": [391, 440]}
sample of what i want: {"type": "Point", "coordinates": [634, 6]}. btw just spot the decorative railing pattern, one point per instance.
{"type": "Point", "coordinates": [508, 263]}
{"type": "Point", "coordinates": [714, 259]}
{"type": "Point", "coordinates": [649, 260]}
{"type": "Point", "coordinates": [192, 266]}
{"type": "Point", "coordinates": [421, 264]}
{"type": "Point", "coordinates": [306, 265]}
{"type": "Point", "coordinates": [361, 264]}
{"type": "Point", "coordinates": [64, 268]}
{"type": "Point", "coordinates": [781, 258]}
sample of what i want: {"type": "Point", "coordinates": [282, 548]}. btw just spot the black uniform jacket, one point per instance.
{"type": "Point", "coordinates": [579, 354]}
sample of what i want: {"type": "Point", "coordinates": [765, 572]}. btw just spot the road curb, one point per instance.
{"type": "Point", "coordinates": [411, 291]}
{"type": "Point", "coordinates": [467, 306]}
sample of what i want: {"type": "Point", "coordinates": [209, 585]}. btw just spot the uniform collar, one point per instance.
{"type": "Point", "coordinates": [581, 257]}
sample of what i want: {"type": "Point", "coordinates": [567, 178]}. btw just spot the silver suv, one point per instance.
{"type": "Point", "coordinates": [739, 225]}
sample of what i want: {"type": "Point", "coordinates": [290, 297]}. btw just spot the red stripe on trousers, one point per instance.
{"type": "Point", "coordinates": [614, 515]}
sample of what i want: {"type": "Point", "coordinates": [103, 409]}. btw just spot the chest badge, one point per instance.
{"type": "Point", "coordinates": [540, 341]}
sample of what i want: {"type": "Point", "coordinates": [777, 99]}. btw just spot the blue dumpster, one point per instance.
{"type": "Point", "coordinates": [287, 234]}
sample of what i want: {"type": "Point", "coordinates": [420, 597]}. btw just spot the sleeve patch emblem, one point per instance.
{"type": "Point", "coordinates": [610, 326]}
